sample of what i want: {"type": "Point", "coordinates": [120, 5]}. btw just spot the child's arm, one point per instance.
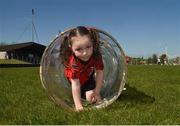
{"type": "Point", "coordinates": [76, 94]}
{"type": "Point", "coordinates": [99, 81]}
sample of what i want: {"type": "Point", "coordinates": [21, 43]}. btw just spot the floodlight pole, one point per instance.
{"type": "Point", "coordinates": [34, 32]}
{"type": "Point", "coordinates": [166, 51]}
{"type": "Point", "coordinates": [32, 25]}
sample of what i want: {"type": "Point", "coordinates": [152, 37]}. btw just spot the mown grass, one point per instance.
{"type": "Point", "coordinates": [152, 97]}
{"type": "Point", "coordinates": [12, 61]}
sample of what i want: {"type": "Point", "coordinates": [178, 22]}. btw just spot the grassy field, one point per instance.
{"type": "Point", "coordinates": [152, 97]}
{"type": "Point", "coordinates": [12, 61]}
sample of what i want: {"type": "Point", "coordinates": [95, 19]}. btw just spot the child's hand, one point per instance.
{"type": "Point", "coordinates": [95, 97]}
{"type": "Point", "coordinates": [78, 109]}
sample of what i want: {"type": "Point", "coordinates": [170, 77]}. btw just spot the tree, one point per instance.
{"type": "Point", "coordinates": [163, 58]}
{"type": "Point", "coordinates": [154, 58]}
{"type": "Point", "coordinates": [149, 60]}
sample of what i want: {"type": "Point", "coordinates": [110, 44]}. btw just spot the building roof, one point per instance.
{"type": "Point", "coordinates": [20, 45]}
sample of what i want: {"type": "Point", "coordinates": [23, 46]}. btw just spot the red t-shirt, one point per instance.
{"type": "Point", "coordinates": [78, 69]}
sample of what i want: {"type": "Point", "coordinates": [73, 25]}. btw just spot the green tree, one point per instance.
{"type": "Point", "coordinates": [154, 58]}
{"type": "Point", "coordinates": [163, 57]}
{"type": "Point", "coordinates": [149, 60]}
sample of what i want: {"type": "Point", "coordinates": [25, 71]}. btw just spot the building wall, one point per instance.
{"type": "Point", "coordinates": [3, 55]}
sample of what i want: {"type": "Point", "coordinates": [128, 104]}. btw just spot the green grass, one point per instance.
{"type": "Point", "coordinates": [12, 61]}
{"type": "Point", "coordinates": [152, 97]}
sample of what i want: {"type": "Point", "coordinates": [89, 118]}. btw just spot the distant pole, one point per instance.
{"type": "Point", "coordinates": [34, 32]}
{"type": "Point", "coordinates": [166, 55]}
{"type": "Point", "coordinates": [166, 51]}
{"type": "Point", "coordinates": [33, 25]}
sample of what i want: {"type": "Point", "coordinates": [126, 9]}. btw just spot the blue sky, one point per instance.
{"type": "Point", "coordinates": [142, 27]}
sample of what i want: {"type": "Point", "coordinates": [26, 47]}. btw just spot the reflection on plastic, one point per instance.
{"type": "Point", "coordinates": [59, 90]}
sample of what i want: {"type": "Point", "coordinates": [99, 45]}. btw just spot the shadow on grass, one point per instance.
{"type": "Point", "coordinates": [132, 95]}
{"type": "Point", "coordinates": [18, 65]}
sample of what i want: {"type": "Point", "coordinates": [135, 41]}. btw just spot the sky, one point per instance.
{"type": "Point", "coordinates": [142, 27]}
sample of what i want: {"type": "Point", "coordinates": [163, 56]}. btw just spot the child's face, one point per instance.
{"type": "Point", "coordinates": [82, 47]}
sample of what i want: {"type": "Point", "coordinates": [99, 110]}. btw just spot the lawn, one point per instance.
{"type": "Point", "coordinates": [12, 61]}
{"type": "Point", "coordinates": [152, 97]}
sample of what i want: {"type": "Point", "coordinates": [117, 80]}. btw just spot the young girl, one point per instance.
{"type": "Point", "coordinates": [80, 54]}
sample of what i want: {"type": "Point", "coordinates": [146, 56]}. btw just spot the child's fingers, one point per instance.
{"type": "Point", "coordinates": [97, 98]}
{"type": "Point", "coordinates": [93, 98]}
{"type": "Point", "coordinates": [93, 95]}
{"type": "Point", "coordinates": [79, 109]}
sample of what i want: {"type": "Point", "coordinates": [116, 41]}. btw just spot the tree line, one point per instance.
{"type": "Point", "coordinates": [154, 59]}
